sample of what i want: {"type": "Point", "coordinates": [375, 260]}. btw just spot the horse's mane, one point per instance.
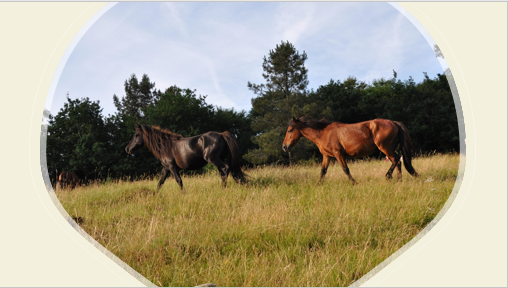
{"type": "Point", "coordinates": [157, 140]}
{"type": "Point", "coordinates": [307, 121]}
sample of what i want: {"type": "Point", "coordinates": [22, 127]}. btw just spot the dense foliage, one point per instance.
{"type": "Point", "coordinates": [426, 108]}
{"type": "Point", "coordinates": [285, 88]}
{"type": "Point", "coordinates": [78, 139]}
{"type": "Point", "coordinates": [81, 139]}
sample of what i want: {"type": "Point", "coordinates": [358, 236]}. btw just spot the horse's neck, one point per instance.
{"type": "Point", "coordinates": [159, 148]}
{"type": "Point", "coordinates": [312, 135]}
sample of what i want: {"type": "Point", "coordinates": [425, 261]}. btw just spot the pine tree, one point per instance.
{"type": "Point", "coordinates": [284, 71]}
{"type": "Point", "coordinates": [283, 94]}
{"type": "Point", "coordinates": [138, 94]}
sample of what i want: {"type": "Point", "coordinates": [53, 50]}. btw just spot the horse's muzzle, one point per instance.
{"type": "Point", "coordinates": [286, 148]}
{"type": "Point", "coordinates": [127, 150]}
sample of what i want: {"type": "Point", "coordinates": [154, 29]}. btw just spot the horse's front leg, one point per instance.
{"type": "Point", "coordinates": [343, 163]}
{"type": "Point", "coordinates": [165, 173]}
{"type": "Point", "coordinates": [176, 173]}
{"type": "Point", "coordinates": [324, 168]}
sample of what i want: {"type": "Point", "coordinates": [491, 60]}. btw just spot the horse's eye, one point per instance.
{"type": "Point", "coordinates": [290, 130]}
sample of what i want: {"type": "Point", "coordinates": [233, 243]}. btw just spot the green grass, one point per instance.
{"type": "Point", "coordinates": [281, 229]}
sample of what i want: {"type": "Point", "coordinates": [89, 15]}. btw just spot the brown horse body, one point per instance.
{"type": "Point", "coordinates": [179, 153]}
{"type": "Point", "coordinates": [356, 140]}
{"type": "Point", "coordinates": [68, 179]}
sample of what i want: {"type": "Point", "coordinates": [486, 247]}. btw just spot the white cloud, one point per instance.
{"type": "Point", "coordinates": [174, 18]}
{"type": "Point", "coordinates": [294, 20]}
{"type": "Point", "coordinates": [217, 47]}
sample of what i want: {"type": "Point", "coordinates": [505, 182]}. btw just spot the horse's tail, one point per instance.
{"type": "Point", "coordinates": [234, 158]}
{"type": "Point", "coordinates": [63, 179]}
{"type": "Point", "coordinates": [407, 147]}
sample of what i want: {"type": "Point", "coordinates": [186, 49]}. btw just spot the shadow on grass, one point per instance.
{"type": "Point", "coordinates": [132, 194]}
{"type": "Point", "coordinates": [272, 181]}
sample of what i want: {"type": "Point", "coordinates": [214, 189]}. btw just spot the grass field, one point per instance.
{"type": "Point", "coordinates": [281, 229]}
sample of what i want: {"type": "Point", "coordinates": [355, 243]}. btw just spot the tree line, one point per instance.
{"type": "Point", "coordinates": [80, 138]}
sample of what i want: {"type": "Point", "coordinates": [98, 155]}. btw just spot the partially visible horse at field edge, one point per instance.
{"type": "Point", "coordinates": [68, 179]}
{"type": "Point", "coordinates": [340, 140]}
{"type": "Point", "coordinates": [179, 153]}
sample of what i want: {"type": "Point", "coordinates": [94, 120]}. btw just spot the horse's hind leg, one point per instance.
{"type": "Point", "coordinates": [395, 159]}
{"type": "Point", "coordinates": [222, 167]}
{"type": "Point", "coordinates": [387, 145]}
{"type": "Point", "coordinates": [399, 170]}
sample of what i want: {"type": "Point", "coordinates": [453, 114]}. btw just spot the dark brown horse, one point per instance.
{"type": "Point", "coordinates": [356, 140]}
{"type": "Point", "coordinates": [178, 153]}
{"type": "Point", "coordinates": [68, 179]}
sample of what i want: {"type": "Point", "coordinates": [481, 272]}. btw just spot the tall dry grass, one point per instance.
{"type": "Point", "coordinates": [281, 229]}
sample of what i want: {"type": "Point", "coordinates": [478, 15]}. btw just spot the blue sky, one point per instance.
{"type": "Point", "coordinates": [217, 47]}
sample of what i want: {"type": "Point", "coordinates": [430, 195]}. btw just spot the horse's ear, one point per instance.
{"type": "Point", "coordinates": [294, 119]}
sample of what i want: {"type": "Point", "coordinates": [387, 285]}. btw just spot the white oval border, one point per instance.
{"type": "Point", "coordinates": [460, 176]}
{"type": "Point", "coordinates": [359, 282]}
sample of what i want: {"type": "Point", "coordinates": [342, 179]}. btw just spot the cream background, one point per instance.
{"type": "Point", "coordinates": [468, 245]}
{"type": "Point", "coordinates": [466, 248]}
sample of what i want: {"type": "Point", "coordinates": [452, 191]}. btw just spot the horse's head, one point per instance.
{"type": "Point", "coordinates": [137, 140]}
{"type": "Point", "coordinates": [293, 134]}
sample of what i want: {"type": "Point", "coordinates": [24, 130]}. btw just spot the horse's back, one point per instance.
{"type": "Point", "coordinates": [199, 143]}
{"type": "Point", "coordinates": [213, 135]}
{"type": "Point", "coordinates": [383, 130]}
{"type": "Point", "coordinates": [381, 123]}
{"type": "Point", "coordinates": [214, 142]}
{"type": "Point", "coordinates": [190, 153]}
{"type": "Point", "coordinates": [375, 126]}
{"type": "Point", "coordinates": [361, 139]}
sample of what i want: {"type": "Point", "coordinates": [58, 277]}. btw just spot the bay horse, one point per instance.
{"type": "Point", "coordinates": [68, 179]}
{"type": "Point", "coordinates": [178, 153]}
{"type": "Point", "coordinates": [340, 140]}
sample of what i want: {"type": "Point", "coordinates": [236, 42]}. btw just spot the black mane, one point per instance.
{"type": "Point", "coordinates": [307, 121]}
{"type": "Point", "coordinates": [157, 140]}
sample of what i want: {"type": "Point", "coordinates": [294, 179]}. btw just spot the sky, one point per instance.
{"type": "Point", "coordinates": [215, 48]}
